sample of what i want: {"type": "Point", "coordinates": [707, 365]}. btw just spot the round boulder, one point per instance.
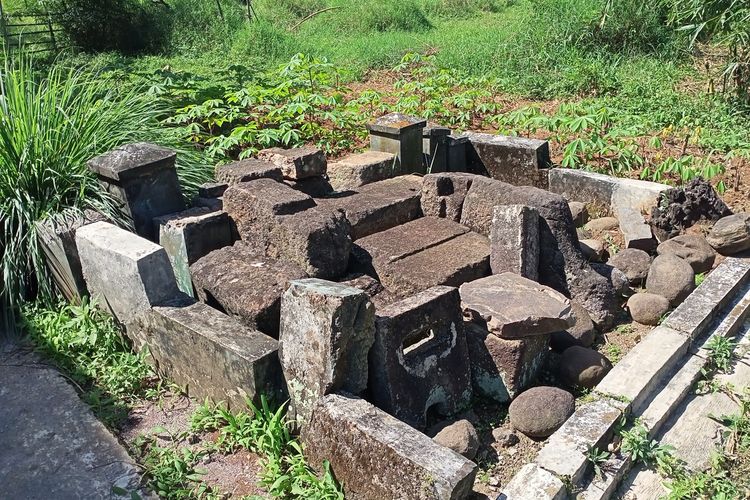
{"type": "Point", "coordinates": [730, 234]}
{"type": "Point", "coordinates": [647, 308]}
{"type": "Point", "coordinates": [692, 248]}
{"type": "Point", "coordinates": [671, 277]}
{"type": "Point", "coordinates": [540, 411]}
{"type": "Point", "coordinates": [583, 367]}
{"type": "Point", "coordinates": [582, 333]}
{"type": "Point", "coordinates": [617, 278]}
{"type": "Point", "coordinates": [602, 224]}
{"type": "Point", "coordinates": [461, 437]}
{"type": "Point", "coordinates": [634, 263]}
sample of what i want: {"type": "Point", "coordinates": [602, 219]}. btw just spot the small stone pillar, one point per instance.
{"type": "Point", "coordinates": [326, 333]}
{"type": "Point", "coordinates": [435, 148]}
{"type": "Point", "coordinates": [514, 241]}
{"type": "Point", "coordinates": [457, 153]}
{"type": "Point", "coordinates": [400, 135]}
{"type": "Point", "coordinates": [143, 177]}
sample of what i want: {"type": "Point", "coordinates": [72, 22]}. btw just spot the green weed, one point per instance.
{"type": "Point", "coordinates": [597, 457]}
{"type": "Point", "coordinates": [720, 353]}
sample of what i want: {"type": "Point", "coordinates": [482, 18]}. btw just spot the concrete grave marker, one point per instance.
{"type": "Point", "coordinates": [400, 135]}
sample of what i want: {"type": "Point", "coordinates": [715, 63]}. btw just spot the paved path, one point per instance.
{"type": "Point", "coordinates": [51, 445]}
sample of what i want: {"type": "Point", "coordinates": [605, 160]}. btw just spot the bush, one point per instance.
{"type": "Point", "coordinates": [463, 8]}
{"type": "Point", "coordinates": [634, 27]}
{"type": "Point", "coordinates": [387, 15]}
{"type": "Point", "coordinates": [197, 26]}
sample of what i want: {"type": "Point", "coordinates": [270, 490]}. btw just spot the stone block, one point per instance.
{"type": "Point", "coordinates": [317, 187]}
{"type": "Point", "coordinates": [213, 204]}
{"type": "Point", "coordinates": [443, 194]}
{"type": "Point", "coordinates": [380, 205]}
{"type": "Point", "coordinates": [212, 189]}
{"type": "Point", "coordinates": [534, 483]}
{"type": "Point", "coordinates": [248, 170]}
{"type": "Point", "coordinates": [57, 236]}
{"type": "Point", "coordinates": [357, 170]}
{"type": "Point", "coordinates": [297, 163]}
{"type": "Point", "coordinates": [372, 287]}
{"type": "Point", "coordinates": [190, 235]}
{"type": "Point", "coordinates": [124, 273]}
{"type": "Point", "coordinates": [400, 135]}
{"type": "Point", "coordinates": [327, 330]}
{"type": "Point", "coordinates": [635, 230]}
{"type": "Point", "coordinates": [142, 177]}
{"type": "Point", "coordinates": [502, 368]}
{"type": "Point", "coordinates": [245, 284]}
{"type": "Point", "coordinates": [377, 457]}
{"type": "Point", "coordinates": [452, 263]}
{"type": "Point", "coordinates": [514, 307]}
{"type": "Point", "coordinates": [419, 364]}
{"type": "Point", "coordinates": [457, 153]}
{"type": "Point", "coordinates": [210, 354]}
{"type": "Point", "coordinates": [515, 160]}
{"type": "Point", "coordinates": [435, 148]}
{"type": "Point", "coordinates": [514, 241]}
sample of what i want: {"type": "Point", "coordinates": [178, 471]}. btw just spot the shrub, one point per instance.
{"type": "Point", "coordinates": [463, 8]}
{"type": "Point", "coordinates": [387, 15]}
{"type": "Point", "coordinates": [197, 26]}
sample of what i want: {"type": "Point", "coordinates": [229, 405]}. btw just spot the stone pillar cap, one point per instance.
{"type": "Point", "coordinates": [132, 160]}
{"type": "Point", "coordinates": [436, 131]}
{"type": "Point", "coordinates": [396, 123]}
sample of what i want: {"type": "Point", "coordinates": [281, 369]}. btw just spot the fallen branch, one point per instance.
{"type": "Point", "coordinates": [311, 16]}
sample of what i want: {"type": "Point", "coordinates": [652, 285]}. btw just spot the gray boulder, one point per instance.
{"type": "Point", "coordinates": [671, 277]}
{"type": "Point", "coordinates": [691, 247]}
{"type": "Point", "coordinates": [583, 367]}
{"type": "Point", "coordinates": [647, 308]}
{"type": "Point", "coordinates": [730, 234]}
{"type": "Point", "coordinates": [634, 262]}
{"type": "Point", "coordinates": [460, 437]}
{"type": "Point", "coordinates": [540, 411]}
{"type": "Point", "coordinates": [616, 278]}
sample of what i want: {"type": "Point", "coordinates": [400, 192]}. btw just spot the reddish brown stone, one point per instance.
{"type": "Point", "coordinates": [443, 194]}
{"type": "Point", "coordinates": [245, 171]}
{"type": "Point", "coordinates": [296, 163]}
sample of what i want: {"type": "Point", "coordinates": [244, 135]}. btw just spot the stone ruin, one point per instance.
{"type": "Point", "coordinates": [379, 293]}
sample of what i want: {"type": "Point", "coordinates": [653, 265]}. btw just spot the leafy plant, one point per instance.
{"type": "Point", "coordinates": [720, 353]}
{"type": "Point", "coordinates": [597, 457]}
{"type": "Point", "coordinates": [639, 447]}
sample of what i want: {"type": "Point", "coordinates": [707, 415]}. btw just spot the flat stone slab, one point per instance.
{"type": "Point", "coordinates": [296, 163]}
{"type": "Point", "coordinates": [377, 457]}
{"type": "Point", "coordinates": [534, 483]}
{"type": "Point", "coordinates": [357, 170]}
{"type": "Point", "coordinates": [381, 205]}
{"type": "Point", "coordinates": [515, 307]}
{"type": "Point", "coordinates": [245, 284]}
{"type": "Point", "coordinates": [52, 444]}
{"type": "Point", "coordinates": [248, 170]}
{"type": "Point", "coordinates": [132, 160]}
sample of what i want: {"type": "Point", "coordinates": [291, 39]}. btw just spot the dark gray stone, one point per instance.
{"type": "Point", "coordinates": [693, 248]}
{"type": "Point", "coordinates": [615, 277]}
{"type": "Point", "coordinates": [419, 363]}
{"type": "Point", "coordinates": [401, 461]}
{"type": "Point", "coordinates": [681, 208]}
{"type": "Point", "coordinates": [132, 161]}
{"type": "Point", "coordinates": [248, 170]}
{"type": "Point", "coordinates": [457, 153]}
{"type": "Point", "coordinates": [583, 367]}
{"type": "Point", "coordinates": [400, 135]}
{"type": "Point", "coordinates": [671, 277]}
{"type": "Point", "coordinates": [582, 333]}
{"type": "Point", "coordinates": [297, 163]}
{"type": "Point", "coordinates": [515, 160]}
{"type": "Point", "coordinates": [212, 189]}
{"type": "Point", "coordinates": [317, 187]}
{"type": "Point", "coordinates": [634, 263]}
{"type": "Point", "coordinates": [435, 148]}
{"type": "Point", "coordinates": [514, 241]}
{"type": "Point", "coordinates": [540, 411]}
{"type": "Point", "coordinates": [443, 194]}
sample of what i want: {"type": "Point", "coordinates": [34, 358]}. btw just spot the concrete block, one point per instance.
{"type": "Point", "coordinates": [357, 170]}
{"type": "Point", "coordinates": [210, 354]}
{"type": "Point", "coordinates": [635, 230]}
{"type": "Point", "coordinates": [248, 170]}
{"type": "Point", "coordinates": [534, 483]}
{"type": "Point", "coordinates": [297, 163]}
{"type": "Point", "coordinates": [515, 160]}
{"type": "Point", "coordinates": [400, 135]}
{"type": "Point", "coordinates": [419, 363]}
{"type": "Point", "coordinates": [376, 457]}
{"type": "Point", "coordinates": [443, 195]}
{"type": "Point", "coordinates": [514, 241]}
{"type": "Point", "coordinates": [188, 236]}
{"type": "Point", "coordinates": [327, 330]}
{"type": "Point", "coordinates": [143, 178]}
{"type": "Point", "coordinates": [125, 273]}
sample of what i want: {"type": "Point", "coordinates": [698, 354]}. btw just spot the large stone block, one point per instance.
{"type": "Point", "coordinates": [143, 178]}
{"type": "Point", "coordinates": [357, 170]}
{"type": "Point", "coordinates": [317, 187]}
{"type": "Point", "coordinates": [210, 354]}
{"type": "Point", "coordinates": [419, 364]}
{"type": "Point", "coordinates": [327, 330]}
{"type": "Point", "coordinates": [514, 241]}
{"type": "Point", "coordinates": [503, 368]}
{"type": "Point", "coordinates": [561, 264]}
{"type": "Point", "coordinates": [190, 235]}
{"type": "Point", "coordinates": [125, 273]}
{"type": "Point", "coordinates": [443, 194]}
{"type": "Point", "coordinates": [514, 307]}
{"type": "Point", "coordinates": [400, 135]}
{"type": "Point", "coordinates": [297, 163]}
{"type": "Point", "coordinates": [245, 284]}
{"type": "Point", "coordinates": [380, 205]}
{"type": "Point", "coordinates": [515, 160]}
{"type": "Point", "coordinates": [435, 148]}
{"type": "Point", "coordinates": [248, 170]}
{"type": "Point", "coordinates": [377, 457]}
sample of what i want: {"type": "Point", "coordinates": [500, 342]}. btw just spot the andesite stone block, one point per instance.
{"type": "Point", "coordinates": [514, 241]}
{"type": "Point", "coordinates": [297, 163]}
{"type": "Point", "coordinates": [375, 456]}
{"type": "Point", "coordinates": [143, 178]}
{"type": "Point", "coordinates": [400, 135]}
{"type": "Point", "coordinates": [419, 363]}
{"type": "Point", "coordinates": [326, 332]}
{"type": "Point", "coordinates": [317, 187]}
{"type": "Point", "coordinates": [124, 273]}
{"type": "Point", "coordinates": [635, 230]}
{"type": "Point", "coordinates": [248, 170]}
{"type": "Point", "coordinates": [212, 189]}
{"type": "Point", "coordinates": [443, 194]}
{"type": "Point", "coordinates": [534, 483]}
{"type": "Point", "coordinates": [457, 153]}
{"type": "Point", "coordinates": [515, 160]}
{"type": "Point", "coordinates": [357, 170]}
{"type": "Point", "coordinates": [435, 148]}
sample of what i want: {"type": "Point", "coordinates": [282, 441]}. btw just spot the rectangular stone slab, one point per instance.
{"type": "Point", "coordinates": [377, 457]}
{"type": "Point", "coordinates": [210, 353]}
{"type": "Point", "coordinates": [297, 163]}
{"type": "Point", "coordinates": [515, 160]}
{"type": "Point", "coordinates": [248, 170]}
{"type": "Point", "coordinates": [357, 170]}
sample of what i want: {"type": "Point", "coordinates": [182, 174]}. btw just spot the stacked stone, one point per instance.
{"type": "Point", "coordinates": [303, 169]}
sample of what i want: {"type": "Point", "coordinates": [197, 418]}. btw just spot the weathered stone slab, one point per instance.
{"type": "Point", "coordinates": [561, 264]}
{"type": "Point", "coordinates": [357, 170]}
{"type": "Point", "coordinates": [503, 368]}
{"type": "Point", "coordinates": [212, 189]}
{"type": "Point", "coordinates": [400, 135]}
{"type": "Point", "coordinates": [248, 170]}
{"type": "Point", "coordinates": [635, 230]}
{"type": "Point", "coordinates": [376, 457]}
{"type": "Point", "coordinates": [443, 194]}
{"type": "Point", "coordinates": [419, 362]}
{"type": "Point", "coordinates": [452, 263]}
{"type": "Point", "coordinates": [210, 354]}
{"type": "Point", "coordinates": [188, 236]}
{"type": "Point", "coordinates": [317, 187]}
{"type": "Point", "coordinates": [514, 307]}
{"type": "Point", "coordinates": [327, 330]}
{"type": "Point", "coordinates": [514, 241]}
{"type": "Point", "coordinates": [124, 273]}
{"type": "Point", "coordinates": [143, 178]}
{"type": "Point", "coordinates": [534, 483]}
{"type": "Point", "coordinates": [515, 160]}
{"type": "Point", "coordinates": [380, 205]}
{"type": "Point", "coordinates": [372, 287]}
{"type": "Point", "coordinates": [245, 284]}
{"type": "Point", "coordinates": [297, 163]}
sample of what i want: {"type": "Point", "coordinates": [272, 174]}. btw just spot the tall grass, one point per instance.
{"type": "Point", "coordinates": [51, 123]}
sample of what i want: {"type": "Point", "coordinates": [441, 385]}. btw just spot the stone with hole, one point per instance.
{"type": "Point", "coordinates": [443, 194]}
{"type": "Point", "coordinates": [540, 411]}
